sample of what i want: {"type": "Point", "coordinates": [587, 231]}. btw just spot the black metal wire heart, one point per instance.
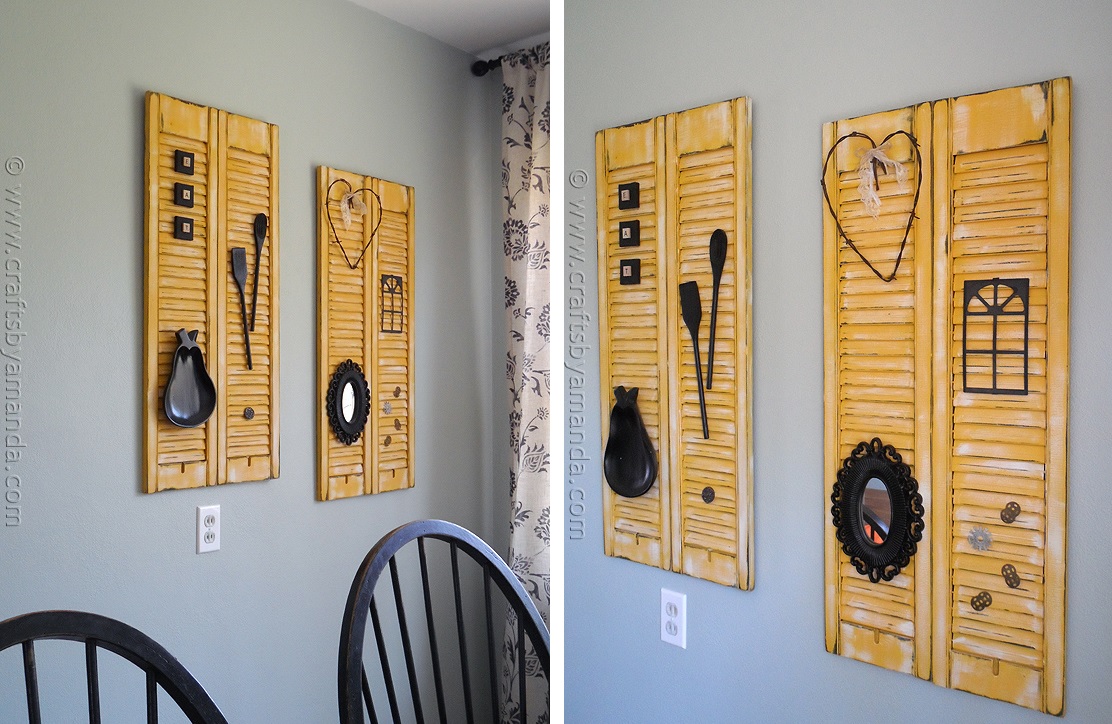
{"type": "Point", "coordinates": [328, 211]}
{"type": "Point", "coordinates": [914, 202]}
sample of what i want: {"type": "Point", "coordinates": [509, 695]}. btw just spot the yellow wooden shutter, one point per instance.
{"type": "Point", "coordinates": [961, 363]}
{"type": "Point", "coordinates": [707, 189]}
{"type": "Point", "coordinates": [692, 171]}
{"type": "Point", "coordinates": [877, 383]}
{"type": "Point", "coordinates": [632, 319]}
{"type": "Point", "coordinates": [1005, 173]}
{"type": "Point", "coordinates": [355, 326]}
{"type": "Point", "coordinates": [249, 186]}
{"type": "Point", "coordinates": [190, 286]}
{"type": "Point", "coordinates": [181, 285]}
{"type": "Point", "coordinates": [391, 393]}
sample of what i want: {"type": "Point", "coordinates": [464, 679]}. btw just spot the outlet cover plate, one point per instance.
{"type": "Point", "coordinates": [208, 528]}
{"type": "Point", "coordinates": [673, 618]}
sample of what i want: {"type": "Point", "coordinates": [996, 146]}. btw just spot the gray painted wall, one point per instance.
{"type": "Point", "coordinates": [759, 655]}
{"type": "Point", "coordinates": [258, 622]}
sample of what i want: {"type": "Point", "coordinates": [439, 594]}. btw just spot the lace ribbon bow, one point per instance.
{"type": "Point", "coordinates": [872, 160]}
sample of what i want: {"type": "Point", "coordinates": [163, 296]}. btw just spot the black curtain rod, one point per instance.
{"type": "Point", "coordinates": [481, 67]}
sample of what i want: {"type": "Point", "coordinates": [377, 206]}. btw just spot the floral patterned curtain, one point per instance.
{"type": "Point", "coordinates": [525, 186]}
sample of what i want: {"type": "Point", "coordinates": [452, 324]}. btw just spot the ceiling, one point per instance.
{"type": "Point", "coordinates": [473, 26]}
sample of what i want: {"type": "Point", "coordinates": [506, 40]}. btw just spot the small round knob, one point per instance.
{"type": "Point", "coordinates": [249, 413]}
{"type": "Point", "coordinates": [708, 494]}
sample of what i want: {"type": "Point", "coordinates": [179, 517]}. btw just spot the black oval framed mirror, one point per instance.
{"type": "Point", "coordinates": [348, 402]}
{"type": "Point", "coordinates": [877, 510]}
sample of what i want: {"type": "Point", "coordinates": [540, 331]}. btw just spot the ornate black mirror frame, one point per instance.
{"type": "Point", "coordinates": [876, 460]}
{"type": "Point", "coordinates": [348, 430]}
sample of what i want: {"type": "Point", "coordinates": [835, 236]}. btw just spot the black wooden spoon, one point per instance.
{"type": "Point", "coordinates": [629, 462]}
{"type": "Point", "coordinates": [190, 396]}
{"type": "Point", "coordinates": [239, 272]}
{"type": "Point", "coordinates": [260, 239]}
{"type": "Point", "coordinates": [692, 310]}
{"type": "Point", "coordinates": [717, 262]}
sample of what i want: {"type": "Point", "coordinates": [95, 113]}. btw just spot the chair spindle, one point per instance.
{"type": "Point", "coordinates": [407, 646]}
{"type": "Point", "coordinates": [31, 679]}
{"type": "Point", "coordinates": [383, 658]}
{"type": "Point", "coordinates": [462, 637]}
{"type": "Point", "coordinates": [492, 657]}
{"type": "Point", "coordinates": [519, 652]}
{"type": "Point", "coordinates": [438, 679]}
{"type": "Point", "coordinates": [92, 679]}
{"type": "Point", "coordinates": [152, 698]}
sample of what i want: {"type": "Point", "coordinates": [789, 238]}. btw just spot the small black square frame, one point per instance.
{"type": "Point", "coordinates": [629, 271]}
{"type": "Point", "coordinates": [183, 228]}
{"type": "Point", "coordinates": [183, 162]}
{"type": "Point", "coordinates": [183, 195]}
{"type": "Point", "coordinates": [629, 233]}
{"type": "Point", "coordinates": [629, 195]}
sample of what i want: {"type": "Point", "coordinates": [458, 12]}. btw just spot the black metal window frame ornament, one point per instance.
{"type": "Point", "coordinates": [996, 308]}
{"type": "Point", "coordinates": [392, 304]}
{"type": "Point", "coordinates": [871, 460]}
{"type": "Point", "coordinates": [348, 431]}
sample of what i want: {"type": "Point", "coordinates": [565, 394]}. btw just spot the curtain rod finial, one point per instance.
{"type": "Point", "coordinates": [481, 67]}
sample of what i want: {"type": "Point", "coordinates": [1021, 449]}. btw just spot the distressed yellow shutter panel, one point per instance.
{"type": "Point", "coordinates": [249, 186]}
{"type": "Point", "coordinates": [965, 371]}
{"type": "Point", "coordinates": [632, 329]}
{"type": "Point", "coordinates": [1006, 176]}
{"type": "Point", "coordinates": [182, 287]}
{"type": "Point", "coordinates": [707, 188]}
{"type": "Point", "coordinates": [342, 308]}
{"type": "Point", "coordinates": [354, 325]}
{"type": "Point", "coordinates": [391, 390]}
{"type": "Point", "coordinates": [877, 376]}
{"type": "Point", "coordinates": [190, 286]}
{"type": "Point", "coordinates": [693, 173]}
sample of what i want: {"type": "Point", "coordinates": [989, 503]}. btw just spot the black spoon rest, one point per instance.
{"type": "Point", "coordinates": [629, 461]}
{"type": "Point", "coordinates": [190, 396]}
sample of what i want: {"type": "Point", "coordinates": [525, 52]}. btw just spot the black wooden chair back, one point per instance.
{"type": "Point", "coordinates": [439, 624]}
{"type": "Point", "coordinates": [99, 632]}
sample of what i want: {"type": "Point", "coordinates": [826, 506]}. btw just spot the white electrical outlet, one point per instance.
{"type": "Point", "coordinates": [208, 528]}
{"type": "Point", "coordinates": [673, 618]}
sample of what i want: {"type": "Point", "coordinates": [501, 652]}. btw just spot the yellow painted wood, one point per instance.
{"type": "Point", "coordinates": [393, 379]}
{"type": "Point", "coordinates": [877, 378]}
{"type": "Point", "coordinates": [707, 188]}
{"type": "Point", "coordinates": [382, 459]}
{"type": "Point", "coordinates": [868, 644]}
{"type": "Point", "coordinates": [188, 285]}
{"type": "Point", "coordinates": [995, 204]}
{"type": "Point", "coordinates": [633, 332]}
{"type": "Point", "coordinates": [248, 186]}
{"type": "Point", "coordinates": [1007, 175]}
{"type": "Point", "coordinates": [694, 173]}
{"type": "Point", "coordinates": [832, 402]}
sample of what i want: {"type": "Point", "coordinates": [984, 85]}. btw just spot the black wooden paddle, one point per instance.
{"type": "Point", "coordinates": [239, 272]}
{"type": "Point", "coordinates": [692, 310]}
{"type": "Point", "coordinates": [717, 262]}
{"type": "Point", "coordinates": [260, 240]}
